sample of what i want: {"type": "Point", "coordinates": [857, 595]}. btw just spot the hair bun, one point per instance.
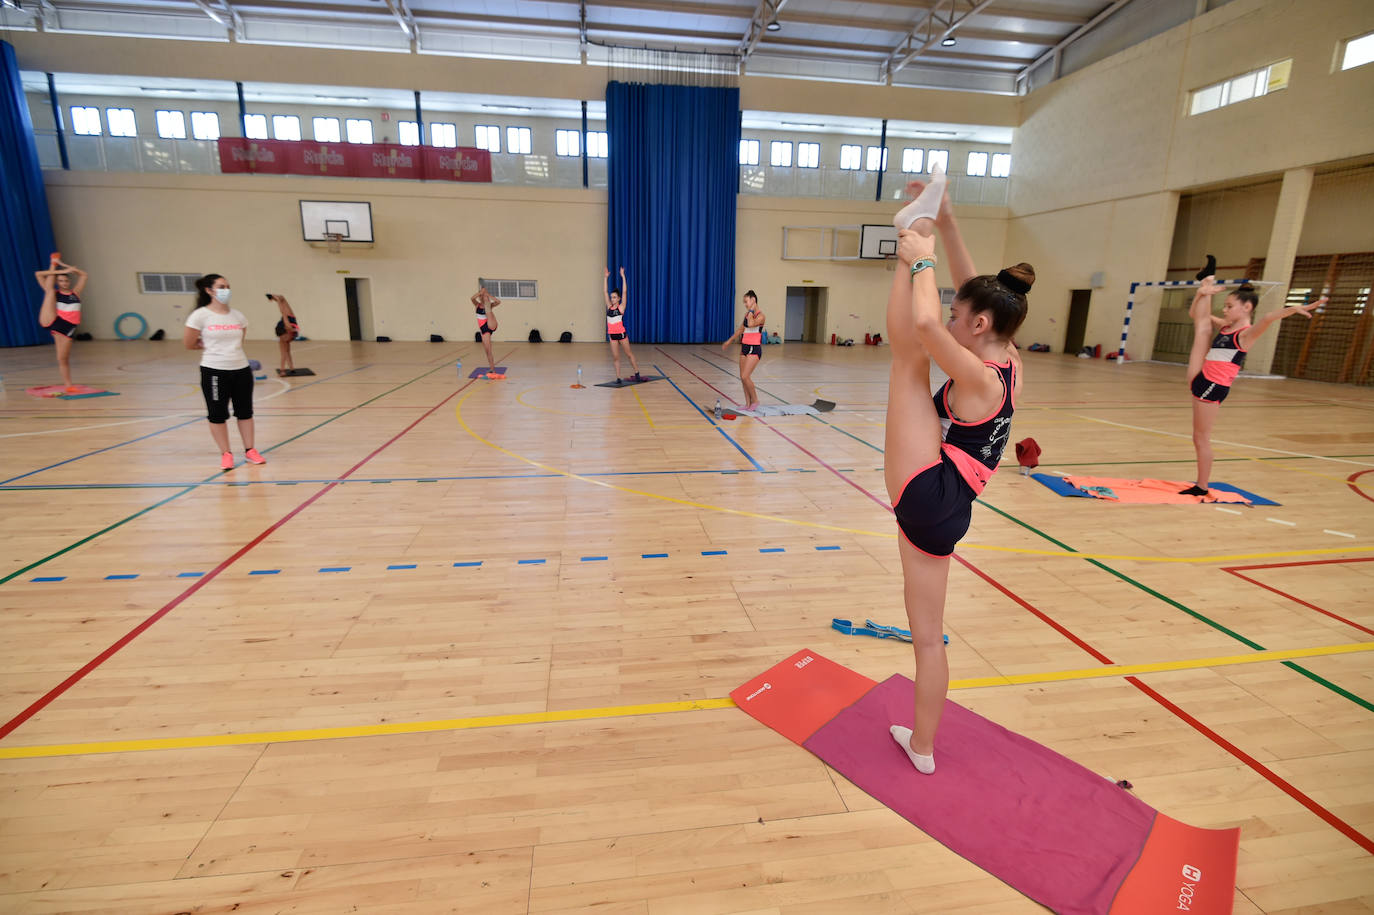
{"type": "Point", "coordinates": [1018, 278]}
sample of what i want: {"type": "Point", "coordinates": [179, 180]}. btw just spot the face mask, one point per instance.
{"type": "Point", "coordinates": [223, 296]}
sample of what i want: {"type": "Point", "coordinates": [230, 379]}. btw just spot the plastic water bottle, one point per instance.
{"type": "Point", "coordinates": [579, 374]}
{"type": "Point", "coordinates": [717, 408]}
{"type": "Point", "coordinates": [460, 369]}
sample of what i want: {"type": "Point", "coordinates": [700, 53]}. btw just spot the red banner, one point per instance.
{"type": "Point", "coordinates": [353, 160]}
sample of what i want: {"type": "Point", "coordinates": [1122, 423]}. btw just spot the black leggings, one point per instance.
{"type": "Point", "coordinates": [220, 386]}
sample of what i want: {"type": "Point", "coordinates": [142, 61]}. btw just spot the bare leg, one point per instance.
{"type": "Point", "coordinates": [284, 349]}
{"type": "Point", "coordinates": [1204, 417]}
{"type": "Point", "coordinates": [64, 353]}
{"type": "Point", "coordinates": [747, 364]}
{"type": "Point", "coordinates": [245, 433]}
{"type": "Point", "coordinates": [220, 433]}
{"type": "Point", "coordinates": [615, 357]}
{"type": "Point", "coordinates": [925, 579]}
{"type": "Point", "coordinates": [631, 353]}
{"type": "Point", "coordinates": [486, 345]}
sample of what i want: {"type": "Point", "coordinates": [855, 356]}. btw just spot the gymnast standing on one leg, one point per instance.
{"type": "Point", "coordinates": [1213, 367]}
{"type": "Point", "coordinates": [616, 306]}
{"type": "Point", "coordinates": [287, 329]}
{"type": "Point", "coordinates": [750, 335]}
{"type": "Point", "coordinates": [941, 451]}
{"type": "Point", "coordinates": [60, 312]}
{"type": "Point", "coordinates": [485, 304]}
{"type": "Point", "coordinates": [225, 377]}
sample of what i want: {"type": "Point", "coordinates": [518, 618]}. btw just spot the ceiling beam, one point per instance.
{"type": "Point", "coordinates": [404, 19]}
{"type": "Point", "coordinates": [904, 53]}
{"type": "Point", "coordinates": [1073, 36]}
{"type": "Point", "coordinates": [764, 13]}
{"type": "Point", "coordinates": [225, 17]}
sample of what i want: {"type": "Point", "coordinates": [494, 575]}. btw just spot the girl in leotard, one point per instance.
{"type": "Point", "coordinates": [484, 303]}
{"type": "Point", "coordinates": [1213, 367]}
{"type": "Point", "coordinates": [225, 377]}
{"type": "Point", "coordinates": [616, 306]}
{"type": "Point", "coordinates": [941, 451]}
{"type": "Point", "coordinates": [287, 329]}
{"type": "Point", "coordinates": [750, 334]}
{"type": "Point", "coordinates": [60, 312]}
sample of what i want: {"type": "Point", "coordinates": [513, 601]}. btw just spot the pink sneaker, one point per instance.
{"type": "Point", "coordinates": [254, 457]}
{"type": "Point", "coordinates": [226, 461]}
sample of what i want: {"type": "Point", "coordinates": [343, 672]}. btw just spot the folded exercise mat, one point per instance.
{"type": "Point", "coordinates": [1046, 826]}
{"type": "Point", "coordinates": [627, 382]}
{"type": "Point", "coordinates": [291, 373]}
{"type": "Point", "coordinates": [482, 373]}
{"type": "Point", "coordinates": [781, 409]}
{"type": "Point", "coordinates": [75, 392]}
{"type": "Point", "coordinates": [1145, 492]}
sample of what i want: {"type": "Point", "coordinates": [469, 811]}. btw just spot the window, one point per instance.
{"type": "Point", "coordinates": [177, 283]}
{"type": "Point", "coordinates": [977, 164]}
{"type": "Point", "coordinates": [849, 156]}
{"type": "Point", "coordinates": [808, 155]}
{"type": "Point", "coordinates": [358, 130]}
{"type": "Point", "coordinates": [171, 125]}
{"type": "Point", "coordinates": [255, 126]}
{"type": "Point", "coordinates": [489, 138]}
{"type": "Point", "coordinates": [408, 133]}
{"type": "Point", "coordinates": [518, 140]}
{"type": "Point", "coordinates": [937, 158]}
{"type": "Point", "coordinates": [286, 127]}
{"type": "Point", "coordinates": [780, 153]}
{"type": "Point", "coordinates": [876, 160]}
{"type": "Point", "coordinates": [567, 142]}
{"type": "Point", "coordinates": [85, 121]}
{"type": "Point", "coordinates": [511, 289]}
{"type": "Point", "coordinates": [442, 134]}
{"type": "Point", "coordinates": [1241, 88]}
{"type": "Point", "coordinates": [205, 125]}
{"type": "Point", "coordinates": [1001, 165]}
{"type": "Point", "coordinates": [121, 121]}
{"type": "Point", "coordinates": [598, 144]}
{"type": "Point", "coordinates": [912, 157]}
{"type": "Point", "coordinates": [326, 130]}
{"type": "Point", "coordinates": [748, 152]}
{"type": "Point", "coordinates": [1358, 52]}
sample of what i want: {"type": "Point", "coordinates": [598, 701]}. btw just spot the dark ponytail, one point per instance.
{"type": "Point", "coordinates": [1004, 295]}
{"type": "Point", "coordinates": [1246, 293]}
{"type": "Point", "coordinates": [203, 289]}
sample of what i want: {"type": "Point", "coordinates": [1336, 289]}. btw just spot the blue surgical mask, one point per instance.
{"type": "Point", "coordinates": [223, 296]}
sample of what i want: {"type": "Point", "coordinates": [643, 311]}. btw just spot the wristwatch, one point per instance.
{"type": "Point", "coordinates": [922, 263]}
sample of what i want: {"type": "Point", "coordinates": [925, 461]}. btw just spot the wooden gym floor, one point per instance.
{"type": "Point", "coordinates": [466, 647]}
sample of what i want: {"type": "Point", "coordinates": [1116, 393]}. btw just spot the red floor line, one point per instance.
{"type": "Point", "coordinates": [1336, 822]}
{"type": "Point", "coordinates": [1355, 487]}
{"type": "Point", "coordinates": [1299, 600]}
{"type": "Point", "coordinates": [171, 605]}
{"type": "Point", "coordinates": [1290, 565]}
{"type": "Point", "coordinates": [1340, 825]}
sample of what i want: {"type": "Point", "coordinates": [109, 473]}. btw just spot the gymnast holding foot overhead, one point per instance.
{"type": "Point", "coordinates": [484, 304]}
{"type": "Point", "coordinates": [1213, 366]}
{"type": "Point", "coordinates": [941, 451]}
{"type": "Point", "coordinates": [60, 312]}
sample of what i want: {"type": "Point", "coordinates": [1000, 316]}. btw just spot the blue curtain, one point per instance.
{"type": "Point", "coordinates": [673, 178]}
{"type": "Point", "coordinates": [25, 228]}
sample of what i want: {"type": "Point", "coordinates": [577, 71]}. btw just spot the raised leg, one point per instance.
{"type": "Point", "coordinates": [912, 440]}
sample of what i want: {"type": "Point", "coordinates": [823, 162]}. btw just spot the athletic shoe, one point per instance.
{"type": "Point", "coordinates": [226, 461]}
{"type": "Point", "coordinates": [254, 457]}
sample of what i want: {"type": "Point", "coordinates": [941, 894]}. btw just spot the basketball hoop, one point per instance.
{"type": "Point", "coordinates": [333, 241]}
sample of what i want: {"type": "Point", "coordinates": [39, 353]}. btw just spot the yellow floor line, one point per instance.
{"type": "Point", "coordinates": [647, 418]}
{"type": "Point", "coordinates": [630, 711]}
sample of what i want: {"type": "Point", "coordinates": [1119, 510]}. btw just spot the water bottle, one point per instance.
{"type": "Point", "coordinates": [460, 369]}
{"type": "Point", "coordinates": [717, 408]}
{"type": "Point", "coordinates": [579, 374]}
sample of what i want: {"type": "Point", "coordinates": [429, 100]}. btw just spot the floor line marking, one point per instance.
{"type": "Point", "coordinates": [707, 416]}
{"type": "Point", "coordinates": [630, 711]}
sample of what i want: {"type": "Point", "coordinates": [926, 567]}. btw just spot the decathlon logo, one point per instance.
{"type": "Point", "coordinates": [1192, 877]}
{"type": "Point", "coordinates": [762, 689]}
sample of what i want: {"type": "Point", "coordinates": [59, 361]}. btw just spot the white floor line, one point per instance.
{"type": "Point", "coordinates": [1229, 511]}
{"type": "Point", "coordinates": [127, 422]}
{"type": "Point", "coordinates": [1315, 457]}
{"type": "Point", "coordinates": [1340, 534]}
{"type": "Point", "coordinates": [1281, 521]}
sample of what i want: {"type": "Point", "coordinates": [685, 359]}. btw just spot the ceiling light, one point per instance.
{"type": "Point", "coordinates": [507, 107]}
{"type": "Point", "coordinates": [948, 42]}
{"type": "Point", "coordinates": [774, 26]}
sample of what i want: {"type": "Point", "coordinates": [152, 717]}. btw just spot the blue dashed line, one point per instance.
{"type": "Point", "coordinates": [653, 556]}
{"type": "Point", "coordinates": [336, 569]}
{"type": "Point", "coordinates": [375, 482]}
{"type": "Point", "coordinates": [827, 548]}
{"type": "Point", "coordinates": [50, 578]}
{"type": "Point", "coordinates": [772, 549]}
{"type": "Point", "coordinates": [714, 553]}
{"type": "Point", "coordinates": [594, 558]}
{"type": "Point", "coordinates": [466, 565]}
{"type": "Point", "coordinates": [190, 574]}
{"type": "Point", "coordinates": [403, 565]}
{"type": "Point", "coordinates": [265, 572]}
{"type": "Point", "coordinates": [119, 577]}
{"type": "Point", "coordinates": [531, 562]}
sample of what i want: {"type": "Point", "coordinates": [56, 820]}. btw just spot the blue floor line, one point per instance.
{"type": "Point", "coordinates": [100, 450]}
{"type": "Point", "coordinates": [709, 419]}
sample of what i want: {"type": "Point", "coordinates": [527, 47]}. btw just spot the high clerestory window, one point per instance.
{"type": "Point", "coordinates": [1240, 88]}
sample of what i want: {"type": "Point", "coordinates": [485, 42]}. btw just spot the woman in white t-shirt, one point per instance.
{"type": "Point", "coordinates": [225, 376]}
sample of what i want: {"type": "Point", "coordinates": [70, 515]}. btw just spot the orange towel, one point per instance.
{"type": "Point", "coordinates": [1151, 492]}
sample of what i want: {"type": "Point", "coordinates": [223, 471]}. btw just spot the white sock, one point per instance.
{"type": "Point", "coordinates": [926, 206]}
{"type": "Point", "coordinates": [924, 764]}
